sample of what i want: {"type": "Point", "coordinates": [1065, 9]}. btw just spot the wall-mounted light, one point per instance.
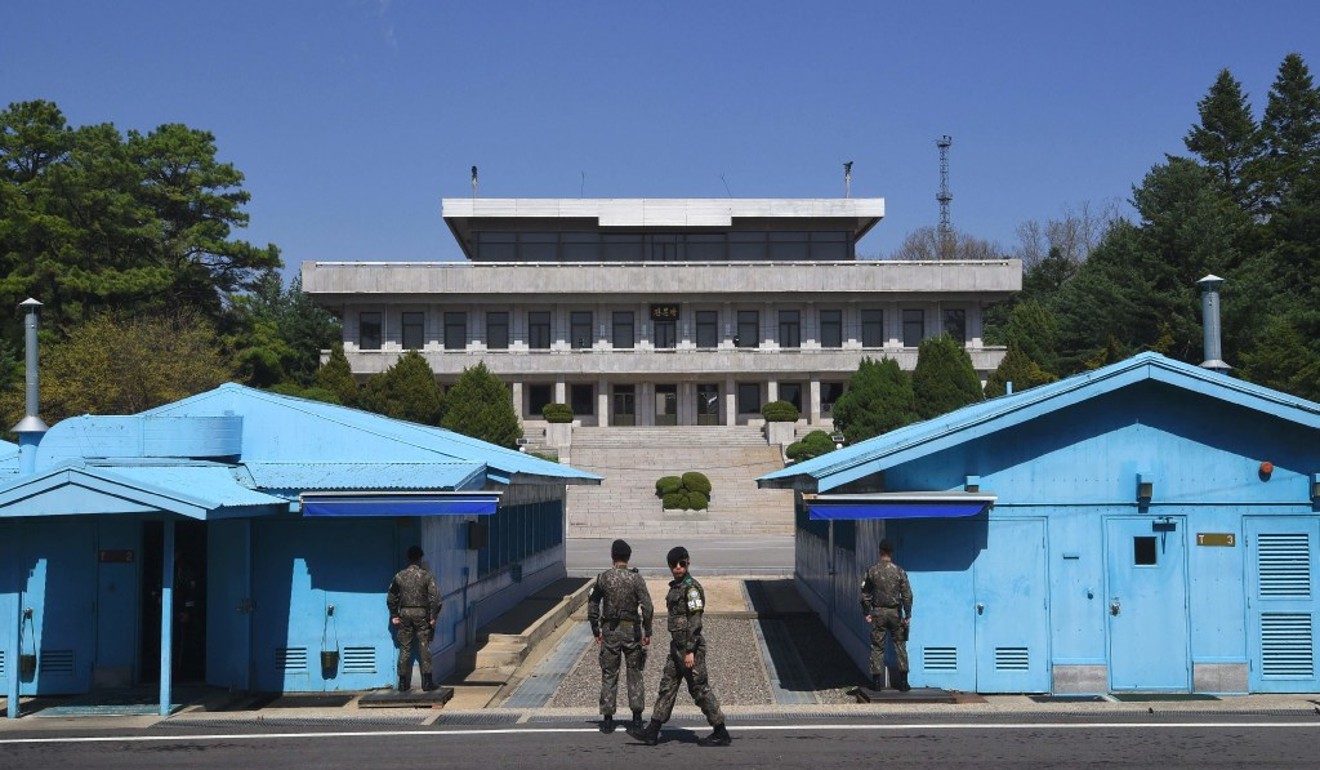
{"type": "Point", "coordinates": [972, 484]}
{"type": "Point", "coordinates": [1145, 487]}
{"type": "Point", "coordinates": [838, 439]}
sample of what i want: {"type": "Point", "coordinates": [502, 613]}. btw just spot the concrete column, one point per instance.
{"type": "Point", "coordinates": [772, 391]}
{"type": "Point", "coordinates": [730, 401]}
{"type": "Point", "coordinates": [516, 396]}
{"type": "Point", "coordinates": [813, 400]}
{"type": "Point", "coordinates": [561, 391]}
{"type": "Point", "coordinates": [603, 402]}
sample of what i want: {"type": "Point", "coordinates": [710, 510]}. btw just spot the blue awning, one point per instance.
{"type": "Point", "coordinates": [439, 504]}
{"type": "Point", "coordinates": [898, 505]}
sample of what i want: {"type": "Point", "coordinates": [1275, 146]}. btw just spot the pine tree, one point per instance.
{"type": "Point", "coordinates": [336, 376]}
{"type": "Point", "coordinates": [1016, 368]}
{"type": "Point", "coordinates": [878, 399]}
{"type": "Point", "coordinates": [1290, 132]}
{"type": "Point", "coordinates": [944, 378]}
{"type": "Point", "coordinates": [1228, 140]}
{"type": "Point", "coordinates": [406, 391]}
{"type": "Point", "coordinates": [479, 405]}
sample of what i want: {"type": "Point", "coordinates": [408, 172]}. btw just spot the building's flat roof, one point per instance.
{"type": "Point", "coordinates": [859, 214]}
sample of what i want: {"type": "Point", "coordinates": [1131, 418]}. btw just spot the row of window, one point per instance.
{"type": "Point", "coordinates": [756, 246]}
{"type": "Point", "coordinates": [622, 332]}
{"type": "Point", "coordinates": [623, 399]}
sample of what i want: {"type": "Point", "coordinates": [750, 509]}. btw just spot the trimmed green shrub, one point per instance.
{"type": "Point", "coordinates": [676, 500]}
{"type": "Point", "coordinates": [695, 481]}
{"type": "Point", "coordinates": [557, 412]}
{"type": "Point", "coordinates": [814, 444]}
{"type": "Point", "coordinates": [668, 484]}
{"type": "Point", "coordinates": [697, 501]}
{"type": "Point", "coordinates": [779, 411]}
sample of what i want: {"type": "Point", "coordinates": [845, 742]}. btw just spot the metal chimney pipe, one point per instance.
{"type": "Point", "coordinates": [1210, 323]}
{"type": "Point", "coordinates": [31, 428]}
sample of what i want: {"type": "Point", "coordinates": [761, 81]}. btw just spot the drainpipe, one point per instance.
{"type": "Point", "coordinates": [31, 428]}
{"type": "Point", "coordinates": [1210, 323]}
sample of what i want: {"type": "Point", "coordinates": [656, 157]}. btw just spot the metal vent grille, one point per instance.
{"type": "Point", "coordinates": [359, 660]}
{"type": "Point", "coordinates": [939, 658]}
{"type": "Point", "coordinates": [2, 663]}
{"type": "Point", "coordinates": [1286, 645]}
{"type": "Point", "coordinates": [1012, 659]}
{"type": "Point", "coordinates": [1285, 566]}
{"type": "Point", "coordinates": [56, 662]}
{"type": "Point", "coordinates": [291, 660]}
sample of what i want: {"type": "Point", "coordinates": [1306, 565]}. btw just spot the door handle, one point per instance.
{"type": "Point", "coordinates": [980, 608]}
{"type": "Point", "coordinates": [1113, 606]}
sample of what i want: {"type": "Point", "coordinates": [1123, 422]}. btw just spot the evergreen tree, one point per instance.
{"type": "Point", "coordinates": [1290, 132]}
{"type": "Point", "coordinates": [405, 391]}
{"type": "Point", "coordinates": [1017, 368]}
{"type": "Point", "coordinates": [479, 405]}
{"type": "Point", "coordinates": [336, 377]}
{"type": "Point", "coordinates": [1034, 330]}
{"type": "Point", "coordinates": [1282, 360]}
{"type": "Point", "coordinates": [1228, 140]}
{"type": "Point", "coordinates": [944, 378]}
{"type": "Point", "coordinates": [280, 334]}
{"type": "Point", "coordinates": [878, 399]}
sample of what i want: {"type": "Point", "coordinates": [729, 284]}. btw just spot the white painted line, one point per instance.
{"type": "Point", "coordinates": [737, 728]}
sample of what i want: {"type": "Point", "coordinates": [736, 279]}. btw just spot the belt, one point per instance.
{"type": "Point", "coordinates": [622, 622]}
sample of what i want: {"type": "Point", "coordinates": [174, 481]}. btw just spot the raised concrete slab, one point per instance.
{"type": "Point", "coordinates": [915, 695]}
{"type": "Point", "coordinates": [414, 698]}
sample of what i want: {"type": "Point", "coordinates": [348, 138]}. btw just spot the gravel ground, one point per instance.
{"type": "Point", "coordinates": [733, 660]}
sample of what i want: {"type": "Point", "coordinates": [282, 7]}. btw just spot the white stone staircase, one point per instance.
{"type": "Point", "coordinates": [631, 459]}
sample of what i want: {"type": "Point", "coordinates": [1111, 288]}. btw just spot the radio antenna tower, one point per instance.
{"type": "Point", "coordinates": [945, 230]}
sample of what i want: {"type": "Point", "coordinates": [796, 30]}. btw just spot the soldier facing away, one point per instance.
{"type": "Point", "coordinates": [620, 612]}
{"type": "Point", "coordinates": [887, 605]}
{"type": "Point", "coordinates": [684, 603]}
{"type": "Point", "coordinates": [413, 600]}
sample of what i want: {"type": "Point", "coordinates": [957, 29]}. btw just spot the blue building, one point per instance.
{"type": "Point", "coordinates": [271, 526]}
{"type": "Point", "coordinates": [1148, 526]}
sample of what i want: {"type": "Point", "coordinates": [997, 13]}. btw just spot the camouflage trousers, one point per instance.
{"type": "Point", "coordinates": [698, 686]}
{"type": "Point", "coordinates": [621, 644]}
{"type": "Point", "coordinates": [886, 625]}
{"type": "Point", "coordinates": [414, 630]}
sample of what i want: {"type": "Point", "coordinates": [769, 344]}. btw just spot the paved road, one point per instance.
{"type": "Point", "coordinates": [1217, 741]}
{"type": "Point", "coordinates": [711, 555]}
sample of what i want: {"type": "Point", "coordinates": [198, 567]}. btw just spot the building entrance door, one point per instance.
{"type": "Point", "coordinates": [624, 407]}
{"type": "Point", "coordinates": [1146, 605]}
{"type": "Point", "coordinates": [708, 404]}
{"type": "Point", "coordinates": [666, 404]}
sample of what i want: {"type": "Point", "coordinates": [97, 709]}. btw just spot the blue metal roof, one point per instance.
{"type": "Point", "coordinates": [380, 475]}
{"type": "Point", "coordinates": [328, 432]}
{"type": "Point", "coordinates": [919, 439]}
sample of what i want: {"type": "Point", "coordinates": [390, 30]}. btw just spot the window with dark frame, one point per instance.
{"type": "Point", "coordinates": [579, 329]}
{"type": "Point", "coordinates": [831, 328]}
{"type": "Point", "coordinates": [1144, 553]}
{"type": "Point", "coordinates": [749, 398]}
{"type": "Point", "coordinates": [873, 328]}
{"type": "Point", "coordinates": [538, 395]}
{"type": "Point", "coordinates": [914, 327]}
{"type": "Point", "coordinates": [582, 397]}
{"type": "Point", "coordinates": [708, 328]}
{"type": "Point", "coordinates": [455, 330]}
{"type": "Point", "coordinates": [749, 329]}
{"type": "Point", "coordinates": [955, 324]}
{"type": "Point", "coordinates": [369, 330]}
{"type": "Point", "coordinates": [538, 329]}
{"type": "Point", "coordinates": [413, 324]}
{"type": "Point", "coordinates": [665, 335]}
{"type": "Point", "coordinates": [792, 393]}
{"type": "Point", "coordinates": [497, 330]}
{"type": "Point", "coordinates": [790, 329]}
{"type": "Point", "coordinates": [624, 336]}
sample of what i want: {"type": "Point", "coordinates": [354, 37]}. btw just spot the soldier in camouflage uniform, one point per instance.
{"type": "Point", "coordinates": [887, 605]}
{"type": "Point", "coordinates": [685, 603]}
{"type": "Point", "coordinates": [619, 610]}
{"type": "Point", "coordinates": [414, 603]}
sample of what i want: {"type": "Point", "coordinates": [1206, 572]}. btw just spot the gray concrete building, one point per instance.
{"type": "Point", "coordinates": [660, 311]}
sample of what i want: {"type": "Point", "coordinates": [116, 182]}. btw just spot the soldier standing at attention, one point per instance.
{"type": "Point", "coordinates": [685, 603]}
{"type": "Point", "coordinates": [414, 603]}
{"type": "Point", "coordinates": [619, 610]}
{"type": "Point", "coordinates": [887, 604]}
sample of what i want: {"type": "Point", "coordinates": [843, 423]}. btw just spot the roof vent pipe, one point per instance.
{"type": "Point", "coordinates": [1210, 323]}
{"type": "Point", "coordinates": [31, 428]}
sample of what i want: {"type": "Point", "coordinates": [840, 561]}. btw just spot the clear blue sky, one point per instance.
{"type": "Point", "coordinates": [351, 119]}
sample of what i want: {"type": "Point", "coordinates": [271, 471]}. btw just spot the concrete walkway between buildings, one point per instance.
{"type": "Point", "coordinates": [769, 657]}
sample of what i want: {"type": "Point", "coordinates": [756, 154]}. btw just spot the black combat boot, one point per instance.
{"type": "Point", "coordinates": [636, 723]}
{"type": "Point", "coordinates": [903, 685]}
{"type": "Point", "coordinates": [405, 683]}
{"type": "Point", "coordinates": [428, 683]}
{"type": "Point", "coordinates": [650, 735]}
{"type": "Point", "coordinates": [607, 724]}
{"type": "Point", "coordinates": [877, 682]}
{"type": "Point", "coordinates": [894, 677]}
{"type": "Point", "coordinates": [718, 738]}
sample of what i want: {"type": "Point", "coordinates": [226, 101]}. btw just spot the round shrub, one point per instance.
{"type": "Point", "coordinates": [676, 500]}
{"type": "Point", "coordinates": [779, 411]}
{"type": "Point", "coordinates": [695, 481]}
{"type": "Point", "coordinates": [557, 412]}
{"type": "Point", "coordinates": [667, 485]}
{"type": "Point", "coordinates": [697, 501]}
{"type": "Point", "coordinates": [814, 444]}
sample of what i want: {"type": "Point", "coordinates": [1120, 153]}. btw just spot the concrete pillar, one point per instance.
{"type": "Point", "coordinates": [813, 400]}
{"type": "Point", "coordinates": [730, 401]}
{"type": "Point", "coordinates": [603, 402]}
